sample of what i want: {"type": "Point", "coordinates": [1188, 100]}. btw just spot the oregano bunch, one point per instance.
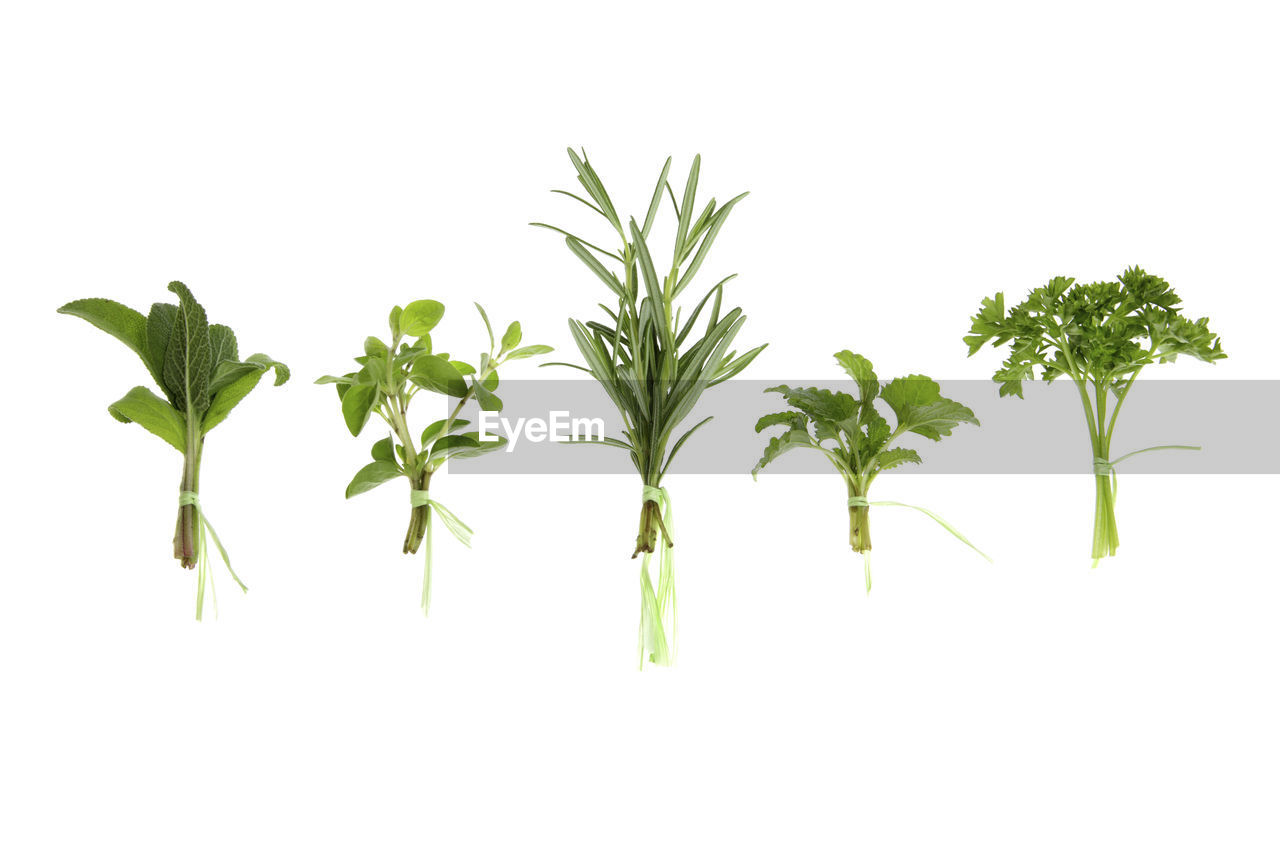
{"type": "Point", "coordinates": [1100, 336]}
{"type": "Point", "coordinates": [391, 374]}
{"type": "Point", "coordinates": [654, 358]}
{"type": "Point", "coordinates": [858, 440]}
{"type": "Point", "coordinates": [197, 367]}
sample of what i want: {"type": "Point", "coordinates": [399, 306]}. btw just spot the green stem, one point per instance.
{"type": "Point", "coordinates": [418, 515]}
{"type": "Point", "coordinates": [1106, 536]}
{"type": "Point", "coordinates": [859, 520]}
{"type": "Point", "coordinates": [650, 528]}
{"type": "Point", "coordinates": [186, 539]}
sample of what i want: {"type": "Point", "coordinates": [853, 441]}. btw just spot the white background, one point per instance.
{"type": "Point", "coordinates": [304, 168]}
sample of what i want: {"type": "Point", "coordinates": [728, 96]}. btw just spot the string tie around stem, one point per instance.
{"type": "Point", "coordinates": [460, 531]}
{"type": "Point", "coordinates": [658, 608]}
{"type": "Point", "coordinates": [861, 501]}
{"type": "Point", "coordinates": [203, 574]}
{"type": "Point", "coordinates": [1107, 467]}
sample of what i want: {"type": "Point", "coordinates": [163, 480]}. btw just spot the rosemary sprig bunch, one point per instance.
{"type": "Point", "coordinates": [647, 354]}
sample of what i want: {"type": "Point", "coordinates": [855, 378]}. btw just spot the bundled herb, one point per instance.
{"type": "Point", "coordinates": [858, 440]}
{"type": "Point", "coordinates": [390, 376]}
{"type": "Point", "coordinates": [1100, 336]}
{"type": "Point", "coordinates": [197, 367]}
{"type": "Point", "coordinates": [649, 362]}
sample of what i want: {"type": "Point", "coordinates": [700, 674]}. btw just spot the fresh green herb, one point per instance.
{"type": "Point", "coordinates": [389, 377]}
{"type": "Point", "coordinates": [196, 366]}
{"type": "Point", "coordinates": [1100, 336]}
{"type": "Point", "coordinates": [649, 362]}
{"type": "Point", "coordinates": [857, 439]}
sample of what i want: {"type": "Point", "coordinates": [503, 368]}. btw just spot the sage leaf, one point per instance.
{"type": "Point", "coordinates": [188, 356]}
{"type": "Point", "coordinates": [120, 321]}
{"type": "Point", "coordinates": [142, 407]}
{"type": "Point", "coordinates": [160, 323]}
{"type": "Point", "coordinates": [222, 343]}
{"type": "Point", "coordinates": [229, 395]}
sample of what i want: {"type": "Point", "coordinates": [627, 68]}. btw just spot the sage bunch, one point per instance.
{"type": "Point", "coordinates": [198, 369]}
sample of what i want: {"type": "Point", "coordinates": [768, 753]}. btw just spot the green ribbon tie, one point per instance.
{"type": "Point", "coordinates": [658, 609]}
{"type": "Point", "coordinates": [1104, 467]}
{"type": "Point", "coordinates": [861, 501]}
{"type": "Point", "coordinates": [421, 497]}
{"type": "Point", "coordinates": [203, 574]}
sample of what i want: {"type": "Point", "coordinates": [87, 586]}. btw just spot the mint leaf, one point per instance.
{"type": "Point", "coordinates": [898, 456]}
{"type": "Point", "coordinates": [791, 420]}
{"type": "Point", "coordinates": [778, 445]}
{"type": "Point", "coordinates": [862, 373]}
{"type": "Point", "coordinates": [921, 408]}
{"type": "Point", "coordinates": [818, 403]}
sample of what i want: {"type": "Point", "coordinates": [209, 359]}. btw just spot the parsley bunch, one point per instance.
{"type": "Point", "coordinates": [1100, 336]}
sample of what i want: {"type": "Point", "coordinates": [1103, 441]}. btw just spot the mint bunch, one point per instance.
{"type": "Point", "coordinates": [857, 439]}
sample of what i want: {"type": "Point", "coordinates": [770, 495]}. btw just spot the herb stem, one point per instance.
{"type": "Point", "coordinates": [186, 544]}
